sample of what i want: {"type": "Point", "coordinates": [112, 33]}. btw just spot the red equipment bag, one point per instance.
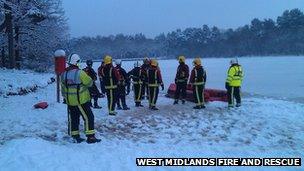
{"type": "Point", "coordinates": [209, 94]}
{"type": "Point", "coordinates": [41, 105]}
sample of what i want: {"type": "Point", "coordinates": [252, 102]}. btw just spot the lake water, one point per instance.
{"type": "Point", "coordinates": [279, 77]}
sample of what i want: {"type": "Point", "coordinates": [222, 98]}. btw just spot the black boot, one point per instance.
{"type": "Point", "coordinates": [77, 139]}
{"type": "Point", "coordinates": [175, 102]}
{"type": "Point", "coordinates": [203, 107]}
{"type": "Point", "coordinates": [154, 108]}
{"type": "Point", "coordinates": [197, 107]}
{"type": "Point", "coordinates": [125, 107]}
{"type": "Point", "coordinates": [92, 139]}
{"type": "Point", "coordinates": [118, 107]}
{"type": "Point", "coordinates": [183, 101]}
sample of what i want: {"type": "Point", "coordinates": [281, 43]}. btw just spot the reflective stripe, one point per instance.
{"type": "Point", "coordinates": [111, 87]}
{"type": "Point", "coordinates": [90, 132]}
{"type": "Point", "coordinates": [74, 91]}
{"type": "Point", "coordinates": [153, 85]}
{"type": "Point", "coordinates": [198, 83]}
{"type": "Point", "coordinates": [75, 133]}
{"type": "Point", "coordinates": [69, 122]}
{"type": "Point", "coordinates": [232, 94]}
{"type": "Point", "coordinates": [86, 120]}
{"type": "Point", "coordinates": [139, 93]}
{"type": "Point", "coordinates": [138, 82]}
{"type": "Point", "coordinates": [111, 102]}
{"type": "Point", "coordinates": [197, 96]}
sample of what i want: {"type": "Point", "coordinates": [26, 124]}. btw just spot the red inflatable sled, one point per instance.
{"type": "Point", "coordinates": [210, 94]}
{"type": "Point", "coordinates": [41, 105]}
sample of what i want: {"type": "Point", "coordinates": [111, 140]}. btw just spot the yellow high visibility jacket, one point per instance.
{"type": "Point", "coordinates": [74, 86]}
{"type": "Point", "coordinates": [235, 76]}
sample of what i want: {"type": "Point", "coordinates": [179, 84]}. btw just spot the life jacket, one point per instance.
{"type": "Point", "coordinates": [235, 75]}
{"type": "Point", "coordinates": [109, 77]}
{"type": "Point", "coordinates": [75, 83]}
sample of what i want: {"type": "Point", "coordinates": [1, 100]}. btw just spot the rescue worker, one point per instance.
{"type": "Point", "coordinates": [102, 86]}
{"type": "Point", "coordinates": [124, 82]}
{"type": "Point", "coordinates": [181, 80]}
{"type": "Point", "coordinates": [154, 79]}
{"type": "Point", "coordinates": [138, 77]}
{"type": "Point", "coordinates": [75, 84]}
{"type": "Point", "coordinates": [110, 77]}
{"type": "Point", "coordinates": [234, 82]}
{"type": "Point", "coordinates": [197, 80]}
{"type": "Point", "coordinates": [95, 94]}
{"type": "Point", "coordinates": [145, 67]}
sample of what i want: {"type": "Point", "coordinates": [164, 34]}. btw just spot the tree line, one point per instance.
{"type": "Point", "coordinates": [285, 36]}
{"type": "Point", "coordinates": [30, 31]}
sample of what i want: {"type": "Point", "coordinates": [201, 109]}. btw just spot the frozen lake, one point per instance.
{"type": "Point", "coordinates": [279, 77]}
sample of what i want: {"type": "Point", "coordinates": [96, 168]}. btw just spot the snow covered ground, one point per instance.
{"type": "Point", "coordinates": [37, 139]}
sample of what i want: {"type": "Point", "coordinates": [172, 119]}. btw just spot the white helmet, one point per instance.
{"type": "Point", "coordinates": [234, 61]}
{"type": "Point", "coordinates": [59, 53]}
{"type": "Point", "coordinates": [118, 62]}
{"type": "Point", "coordinates": [137, 64]}
{"type": "Point", "coordinates": [74, 59]}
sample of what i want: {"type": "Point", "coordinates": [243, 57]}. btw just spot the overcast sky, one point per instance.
{"type": "Point", "coordinates": [152, 17]}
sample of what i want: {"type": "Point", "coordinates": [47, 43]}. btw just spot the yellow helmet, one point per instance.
{"type": "Point", "coordinates": [197, 61]}
{"type": "Point", "coordinates": [107, 59]}
{"type": "Point", "coordinates": [154, 62]}
{"type": "Point", "coordinates": [181, 59]}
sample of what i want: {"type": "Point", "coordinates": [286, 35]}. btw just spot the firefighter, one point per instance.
{"type": "Point", "coordinates": [145, 67]}
{"type": "Point", "coordinates": [154, 80]}
{"type": "Point", "coordinates": [95, 94]}
{"type": "Point", "coordinates": [124, 82]}
{"type": "Point", "coordinates": [138, 77]}
{"type": "Point", "coordinates": [181, 80]}
{"type": "Point", "coordinates": [234, 82]}
{"type": "Point", "coordinates": [75, 83]}
{"type": "Point", "coordinates": [197, 80]}
{"type": "Point", "coordinates": [102, 86]}
{"type": "Point", "coordinates": [110, 77]}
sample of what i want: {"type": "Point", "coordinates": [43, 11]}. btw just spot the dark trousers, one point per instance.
{"type": "Point", "coordinates": [121, 96]}
{"type": "Point", "coordinates": [181, 89]}
{"type": "Point", "coordinates": [74, 113]}
{"type": "Point", "coordinates": [234, 93]}
{"type": "Point", "coordinates": [94, 92]}
{"type": "Point", "coordinates": [137, 92]}
{"type": "Point", "coordinates": [153, 95]}
{"type": "Point", "coordinates": [198, 93]}
{"type": "Point", "coordinates": [111, 96]}
{"type": "Point", "coordinates": [145, 90]}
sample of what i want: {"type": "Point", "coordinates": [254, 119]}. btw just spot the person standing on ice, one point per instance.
{"type": "Point", "coordinates": [234, 82]}
{"type": "Point", "coordinates": [95, 94]}
{"type": "Point", "coordinates": [75, 83]}
{"type": "Point", "coordinates": [124, 82]}
{"type": "Point", "coordinates": [102, 86]}
{"type": "Point", "coordinates": [154, 79]}
{"type": "Point", "coordinates": [138, 77]}
{"type": "Point", "coordinates": [197, 80]}
{"type": "Point", "coordinates": [110, 77]}
{"type": "Point", "coordinates": [181, 80]}
{"type": "Point", "coordinates": [145, 67]}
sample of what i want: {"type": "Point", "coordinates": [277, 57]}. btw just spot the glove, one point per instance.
{"type": "Point", "coordinates": [226, 85]}
{"type": "Point", "coordinates": [163, 87]}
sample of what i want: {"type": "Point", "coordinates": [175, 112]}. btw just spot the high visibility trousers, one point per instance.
{"type": "Point", "coordinates": [153, 95]}
{"type": "Point", "coordinates": [74, 113]}
{"type": "Point", "coordinates": [198, 93]}
{"type": "Point", "coordinates": [121, 96]}
{"type": "Point", "coordinates": [181, 89]}
{"type": "Point", "coordinates": [137, 92]}
{"type": "Point", "coordinates": [233, 93]}
{"type": "Point", "coordinates": [112, 97]}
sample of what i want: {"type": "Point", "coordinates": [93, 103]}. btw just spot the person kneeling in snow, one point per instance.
{"type": "Point", "coordinates": [75, 84]}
